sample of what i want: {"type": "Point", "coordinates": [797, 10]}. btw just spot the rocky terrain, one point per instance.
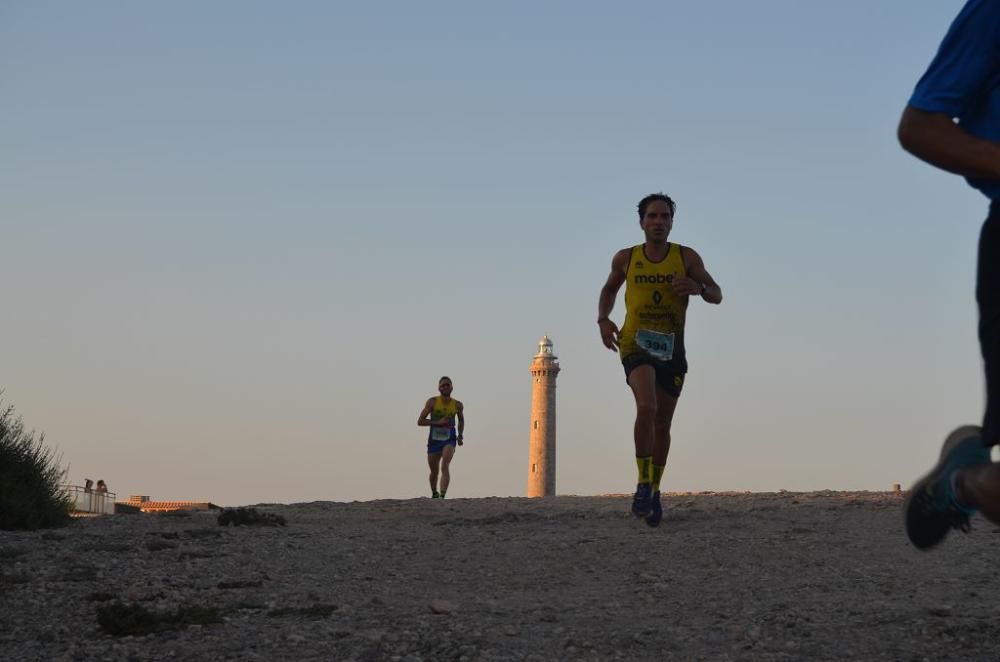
{"type": "Point", "coordinates": [787, 576]}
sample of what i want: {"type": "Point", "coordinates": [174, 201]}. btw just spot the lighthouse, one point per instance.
{"type": "Point", "coordinates": [542, 441]}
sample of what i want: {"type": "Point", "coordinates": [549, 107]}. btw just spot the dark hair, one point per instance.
{"type": "Point", "coordinates": [654, 197]}
{"type": "Point", "coordinates": [444, 378]}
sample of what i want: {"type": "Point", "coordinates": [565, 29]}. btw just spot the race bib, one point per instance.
{"type": "Point", "coordinates": [658, 345]}
{"type": "Point", "coordinates": [440, 434]}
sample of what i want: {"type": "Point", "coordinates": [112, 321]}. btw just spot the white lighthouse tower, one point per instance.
{"type": "Point", "coordinates": [542, 445]}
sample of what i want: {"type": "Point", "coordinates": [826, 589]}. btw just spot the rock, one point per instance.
{"type": "Point", "coordinates": [441, 607]}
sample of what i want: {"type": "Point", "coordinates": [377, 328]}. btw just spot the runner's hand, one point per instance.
{"type": "Point", "coordinates": [609, 334]}
{"type": "Point", "coordinates": [441, 423]}
{"type": "Point", "coordinates": [459, 440]}
{"type": "Point", "coordinates": [684, 286]}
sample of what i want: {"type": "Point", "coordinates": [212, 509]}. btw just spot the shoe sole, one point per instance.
{"type": "Point", "coordinates": [957, 436]}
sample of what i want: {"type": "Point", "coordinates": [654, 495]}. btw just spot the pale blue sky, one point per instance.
{"type": "Point", "coordinates": [240, 241]}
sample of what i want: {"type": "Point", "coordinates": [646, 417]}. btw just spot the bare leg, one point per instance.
{"type": "Point", "coordinates": [446, 455]}
{"type": "Point", "coordinates": [665, 406]}
{"type": "Point", "coordinates": [643, 382]}
{"type": "Point", "coordinates": [979, 487]}
{"type": "Point", "coordinates": [433, 461]}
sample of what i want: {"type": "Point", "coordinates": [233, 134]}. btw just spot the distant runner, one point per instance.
{"type": "Point", "coordinates": [659, 278]}
{"type": "Point", "coordinates": [952, 121]}
{"type": "Point", "coordinates": [446, 418]}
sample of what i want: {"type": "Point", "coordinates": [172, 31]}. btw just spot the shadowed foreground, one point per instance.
{"type": "Point", "coordinates": [789, 576]}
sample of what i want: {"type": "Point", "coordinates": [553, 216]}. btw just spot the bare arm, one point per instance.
{"type": "Point", "coordinates": [936, 139]}
{"type": "Point", "coordinates": [606, 300]}
{"type": "Point", "coordinates": [424, 419]}
{"type": "Point", "coordinates": [691, 284]}
{"type": "Point", "coordinates": [461, 420]}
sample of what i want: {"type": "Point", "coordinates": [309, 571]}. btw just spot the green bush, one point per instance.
{"type": "Point", "coordinates": [315, 611]}
{"type": "Point", "coordinates": [123, 620]}
{"type": "Point", "coordinates": [30, 496]}
{"type": "Point", "coordinates": [249, 517]}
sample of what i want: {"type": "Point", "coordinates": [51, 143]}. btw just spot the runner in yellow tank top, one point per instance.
{"type": "Point", "coordinates": [660, 278]}
{"type": "Point", "coordinates": [654, 313]}
{"type": "Point", "coordinates": [446, 418]}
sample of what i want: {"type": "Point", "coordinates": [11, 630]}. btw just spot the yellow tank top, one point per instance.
{"type": "Point", "coordinates": [654, 315]}
{"type": "Point", "coordinates": [447, 410]}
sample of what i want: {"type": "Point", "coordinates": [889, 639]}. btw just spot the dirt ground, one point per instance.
{"type": "Point", "coordinates": [787, 576]}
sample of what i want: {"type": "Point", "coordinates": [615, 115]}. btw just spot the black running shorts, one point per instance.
{"type": "Point", "coordinates": [988, 297]}
{"type": "Point", "coordinates": [668, 376]}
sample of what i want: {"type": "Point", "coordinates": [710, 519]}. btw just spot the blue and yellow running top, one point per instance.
{"type": "Point", "coordinates": [447, 410]}
{"type": "Point", "coordinates": [654, 315]}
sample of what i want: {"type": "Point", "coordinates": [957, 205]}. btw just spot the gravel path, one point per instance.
{"type": "Point", "coordinates": [788, 576]}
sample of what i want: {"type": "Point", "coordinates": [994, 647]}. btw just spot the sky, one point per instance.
{"type": "Point", "coordinates": [241, 241]}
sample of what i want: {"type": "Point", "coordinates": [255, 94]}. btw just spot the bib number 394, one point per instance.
{"type": "Point", "coordinates": [658, 345]}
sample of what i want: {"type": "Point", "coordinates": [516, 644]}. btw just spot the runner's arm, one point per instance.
{"type": "Point", "coordinates": [936, 139]}
{"type": "Point", "coordinates": [697, 275]}
{"type": "Point", "coordinates": [425, 415]}
{"type": "Point", "coordinates": [961, 73]}
{"type": "Point", "coordinates": [606, 300]}
{"type": "Point", "coordinates": [461, 420]}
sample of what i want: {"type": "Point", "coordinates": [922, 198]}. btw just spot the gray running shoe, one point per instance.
{"type": "Point", "coordinates": [932, 508]}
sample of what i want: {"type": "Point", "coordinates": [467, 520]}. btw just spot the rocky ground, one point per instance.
{"type": "Point", "coordinates": [788, 576]}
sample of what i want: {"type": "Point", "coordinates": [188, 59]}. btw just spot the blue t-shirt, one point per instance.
{"type": "Point", "coordinates": [963, 80]}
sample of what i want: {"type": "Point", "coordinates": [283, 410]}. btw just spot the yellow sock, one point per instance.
{"type": "Point", "coordinates": [657, 475]}
{"type": "Point", "coordinates": [645, 466]}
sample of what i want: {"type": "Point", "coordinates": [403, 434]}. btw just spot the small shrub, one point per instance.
{"type": "Point", "coordinates": [80, 573]}
{"type": "Point", "coordinates": [196, 554]}
{"type": "Point", "coordinates": [241, 583]}
{"type": "Point", "coordinates": [19, 578]}
{"type": "Point", "coordinates": [250, 605]}
{"type": "Point", "coordinates": [249, 517]}
{"type": "Point", "coordinates": [30, 496]}
{"type": "Point", "coordinates": [11, 552]}
{"type": "Point", "coordinates": [315, 611]}
{"type": "Point", "coordinates": [122, 620]}
{"type": "Point", "coordinates": [100, 596]}
{"type": "Point", "coordinates": [113, 547]}
{"type": "Point", "coordinates": [203, 533]}
{"type": "Point", "coordinates": [167, 535]}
